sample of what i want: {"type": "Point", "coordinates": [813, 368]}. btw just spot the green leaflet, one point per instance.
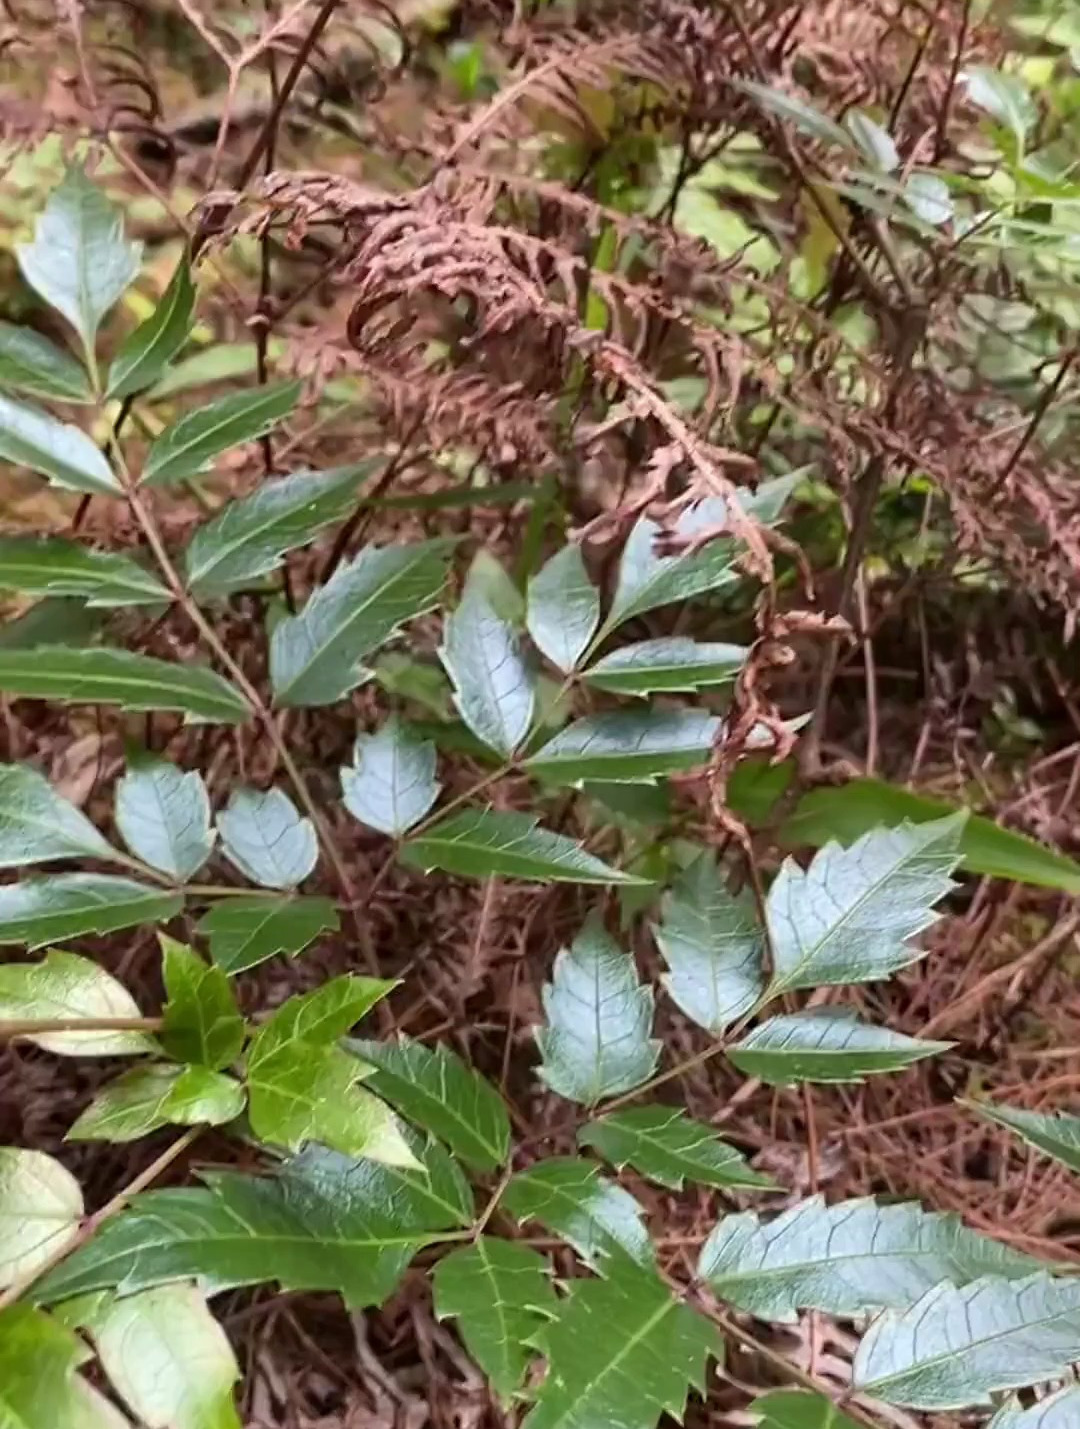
{"type": "Point", "coordinates": [201, 1021]}
{"type": "Point", "coordinates": [391, 784]}
{"type": "Point", "coordinates": [795, 111]}
{"type": "Point", "coordinates": [163, 815]}
{"type": "Point", "coordinates": [154, 343]}
{"type": "Point", "coordinates": [263, 834]}
{"type": "Point", "coordinates": [825, 1045]}
{"type": "Point", "coordinates": [798, 1409]}
{"type": "Point", "coordinates": [1003, 96]}
{"type": "Point", "coordinates": [494, 689]}
{"type": "Point", "coordinates": [190, 445]}
{"type": "Point", "coordinates": [1059, 1411]}
{"type": "Point", "coordinates": [244, 932]}
{"type": "Point", "coordinates": [663, 1144]}
{"type": "Point", "coordinates": [65, 986]}
{"type": "Point", "coordinates": [32, 364]}
{"type": "Point", "coordinates": [485, 843]}
{"type": "Point", "coordinates": [1055, 1134]}
{"type": "Point", "coordinates": [877, 143]}
{"type": "Point", "coordinates": [673, 664]}
{"type": "Point", "coordinates": [41, 1207]}
{"type": "Point", "coordinates": [37, 824]}
{"type": "Point", "coordinates": [155, 1095]}
{"type": "Point", "coordinates": [563, 609]}
{"type": "Point", "coordinates": [569, 1196]}
{"type": "Point", "coordinates": [58, 450]}
{"type": "Point", "coordinates": [626, 745]}
{"type": "Point", "coordinates": [67, 905]}
{"type": "Point", "coordinates": [38, 1383]}
{"type": "Point", "coordinates": [52, 566]}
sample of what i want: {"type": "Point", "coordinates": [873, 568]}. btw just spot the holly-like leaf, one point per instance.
{"type": "Point", "coordinates": [189, 446]}
{"type": "Point", "coordinates": [315, 656]}
{"type": "Point", "coordinates": [489, 843]}
{"type": "Point", "coordinates": [1059, 1411]}
{"type": "Point", "coordinates": [623, 1351]}
{"type": "Point", "coordinates": [164, 816]}
{"type": "Point", "coordinates": [664, 1145]}
{"type": "Point", "coordinates": [1055, 1134]}
{"type": "Point", "coordinates": [596, 1041]}
{"type": "Point", "coordinates": [32, 364]}
{"type": "Point", "coordinates": [435, 1089]}
{"type": "Point", "coordinates": [263, 834]}
{"type": "Point", "coordinates": [120, 677]}
{"type": "Point", "coordinates": [563, 609]}
{"type": "Point", "coordinates": [626, 746]}
{"type": "Point", "coordinates": [799, 1409]}
{"type": "Point", "coordinates": [825, 1045]}
{"type": "Point", "coordinates": [494, 689]}
{"type": "Point", "coordinates": [58, 450]}
{"type": "Point", "coordinates": [391, 784]}
{"type": "Point", "coordinates": [954, 1347]}
{"type": "Point", "coordinates": [247, 538]}
{"type": "Point", "coordinates": [713, 946]}
{"type": "Point", "coordinates": [168, 1359]}
{"type": "Point", "coordinates": [68, 905]}
{"type": "Point", "coordinates": [500, 1294]}
{"type": "Point", "coordinates": [38, 824]}
{"type": "Point", "coordinates": [321, 1222]}
{"type": "Point", "coordinates": [65, 986]}
{"type": "Point", "coordinates": [671, 664]}
{"type": "Point", "coordinates": [200, 1020]}
{"type": "Point", "coordinates": [79, 260]}
{"type": "Point", "coordinates": [849, 916]}
{"type": "Point", "coordinates": [154, 343]}
{"type": "Point", "coordinates": [569, 1197]}
{"type": "Point", "coordinates": [148, 1097]}
{"type": "Point", "coordinates": [52, 566]}
{"type": "Point", "coordinates": [41, 1208]}
{"type": "Point", "coordinates": [38, 1383]}
{"type": "Point", "coordinates": [847, 1259]}
{"type": "Point", "coordinates": [244, 932]}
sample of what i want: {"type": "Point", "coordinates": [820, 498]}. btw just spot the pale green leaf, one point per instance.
{"type": "Point", "coordinates": [877, 143]}
{"type": "Point", "coordinates": [201, 1021]}
{"type": "Point", "coordinates": [795, 111]}
{"type": "Point", "coordinates": [1003, 96]}
{"type": "Point", "coordinates": [494, 689]}
{"type": "Point", "coordinates": [391, 784]}
{"type": "Point", "coordinates": [569, 1197]}
{"type": "Point", "coordinates": [672, 664]}
{"type": "Point", "coordinates": [150, 1096]}
{"type": "Point", "coordinates": [67, 905]}
{"type": "Point", "coordinates": [928, 198]}
{"type": "Point", "coordinates": [1059, 1411]}
{"type": "Point", "coordinates": [488, 843]}
{"type": "Point", "coordinates": [58, 450]}
{"type": "Point", "coordinates": [39, 1388]}
{"type": "Point", "coordinates": [41, 1207]}
{"type": "Point", "coordinates": [48, 621]}
{"type": "Point", "coordinates": [664, 1145]}
{"type": "Point", "coordinates": [220, 362]}
{"type": "Point", "coordinates": [626, 746]}
{"type": "Point", "coordinates": [798, 1409]}
{"type": "Point", "coordinates": [489, 578]}
{"type": "Point", "coordinates": [38, 824]}
{"type": "Point", "coordinates": [825, 1045]}
{"type": "Point", "coordinates": [53, 566]}
{"type": "Point", "coordinates": [563, 609]}
{"type": "Point", "coordinates": [163, 815]}
{"type": "Point", "coordinates": [244, 932]}
{"type": "Point", "coordinates": [31, 363]}
{"type": "Point", "coordinates": [65, 986]}
{"type": "Point", "coordinates": [190, 445]}
{"type": "Point", "coordinates": [154, 343]}
{"type": "Point", "coordinates": [263, 834]}
{"type": "Point", "coordinates": [1055, 1134]}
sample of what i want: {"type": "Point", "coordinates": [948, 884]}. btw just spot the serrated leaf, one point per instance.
{"type": "Point", "coordinates": [315, 656]}
{"type": "Point", "coordinates": [41, 1208]}
{"type": "Point", "coordinates": [849, 916]}
{"type": "Point", "coordinates": [500, 1294]}
{"type": "Point", "coordinates": [627, 746]}
{"type": "Point", "coordinates": [563, 609]}
{"type": "Point", "coordinates": [953, 1348]}
{"type": "Point", "coordinates": [52, 566]}
{"type": "Point", "coordinates": [795, 111]}
{"type": "Point", "coordinates": [38, 824]}
{"type": "Point", "coordinates": [189, 446]}
{"type": "Point", "coordinates": [489, 843]}
{"type": "Point", "coordinates": [875, 142]}
{"type": "Point", "coordinates": [169, 1359]}
{"type": "Point", "coordinates": [391, 784]}
{"type": "Point", "coordinates": [1059, 1411]}
{"type": "Point", "coordinates": [1055, 1134]}
{"type": "Point", "coordinates": [38, 1383]}
{"type": "Point", "coordinates": [200, 1020]}
{"type": "Point", "coordinates": [163, 815]}
{"type": "Point", "coordinates": [31, 363]}
{"type": "Point", "coordinates": [825, 1045]}
{"type": "Point", "coordinates": [672, 664]}
{"type": "Point", "coordinates": [247, 538]}
{"type": "Point", "coordinates": [494, 689]}
{"type": "Point", "coordinates": [148, 1097]}
{"type": "Point", "coordinates": [58, 450]}
{"type": "Point", "coordinates": [712, 943]}
{"type": "Point", "coordinates": [798, 1409]}
{"type": "Point", "coordinates": [664, 1145]}
{"type": "Point", "coordinates": [65, 986]}
{"type": "Point", "coordinates": [119, 677]}
{"type": "Point", "coordinates": [244, 932]}
{"type": "Point", "coordinates": [623, 1351]}
{"type": "Point", "coordinates": [848, 1259]}
{"type": "Point", "coordinates": [321, 1222]}
{"type": "Point", "coordinates": [263, 834]}
{"type": "Point", "coordinates": [434, 1088]}
{"type": "Point", "coordinates": [596, 1041]}
{"type": "Point", "coordinates": [1003, 96]}
{"type": "Point", "coordinates": [79, 260]}
{"type": "Point", "coordinates": [68, 905]}
{"type": "Point", "coordinates": [570, 1197]}
{"type": "Point", "coordinates": [144, 356]}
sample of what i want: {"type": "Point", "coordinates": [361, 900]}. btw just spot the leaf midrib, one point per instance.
{"type": "Point", "coordinates": [174, 453]}
{"type": "Point", "coordinates": [630, 1344]}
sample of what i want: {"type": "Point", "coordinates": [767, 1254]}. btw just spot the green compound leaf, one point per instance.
{"type": "Point", "coordinates": [37, 824]}
{"type": "Point", "coordinates": [148, 1097]}
{"type": "Point", "coordinates": [825, 1045]}
{"type": "Point", "coordinates": [201, 1021]}
{"type": "Point", "coordinates": [485, 843]}
{"type": "Point", "coordinates": [154, 343]}
{"type": "Point", "coordinates": [673, 664]}
{"type": "Point", "coordinates": [494, 689]}
{"type": "Point", "coordinates": [68, 905]}
{"type": "Point", "coordinates": [797, 1409]}
{"type": "Point", "coordinates": [163, 815]}
{"type": "Point", "coordinates": [563, 609]}
{"type": "Point", "coordinates": [41, 1208]}
{"type": "Point", "coordinates": [391, 784]}
{"type": "Point", "coordinates": [245, 932]}
{"type": "Point", "coordinates": [626, 746]}
{"type": "Point", "coordinates": [263, 834]}
{"type": "Point", "coordinates": [38, 1383]}
{"type": "Point", "coordinates": [1056, 1134]}
{"type": "Point", "coordinates": [58, 450]}
{"type": "Point", "coordinates": [570, 1198]}
{"type": "Point", "coordinates": [31, 364]}
{"type": "Point", "coordinates": [665, 1146]}
{"type": "Point", "coordinates": [65, 986]}
{"type": "Point", "coordinates": [189, 446]}
{"type": "Point", "coordinates": [52, 566]}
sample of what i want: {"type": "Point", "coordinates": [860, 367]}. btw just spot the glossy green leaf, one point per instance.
{"type": "Point", "coordinates": [1059, 1411]}
{"type": "Point", "coordinates": [391, 784]}
{"type": "Point", "coordinates": [849, 916]}
{"type": "Point", "coordinates": [247, 538]}
{"type": "Point", "coordinates": [488, 843]}
{"type": "Point", "coordinates": [163, 815]}
{"type": "Point", "coordinates": [38, 824]}
{"type": "Point", "coordinates": [953, 1348]}
{"type": "Point", "coordinates": [154, 343]}
{"type": "Point", "coordinates": [623, 1351]}
{"type": "Point", "coordinates": [39, 1388]}
{"type": "Point", "coordinates": [563, 609]}
{"type": "Point", "coordinates": [263, 834]}
{"type": "Point", "coordinates": [151, 1096]}
{"type": "Point", "coordinates": [189, 446]}
{"type": "Point", "coordinates": [32, 364]}
{"type": "Point", "coordinates": [58, 450]}
{"type": "Point", "coordinates": [52, 566]}
{"type": "Point", "coordinates": [65, 986]}
{"type": "Point", "coordinates": [664, 1145]}
{"type": "Point", "coordinates": [796, 112]}
{"type": "Point", "coordinates": [120, 677]}
{"type": "Point", "coordinates": [494, 689]}
{"type": "Point", "coordinates": [825, 1045]}
{"type": "Point", "coordinates": [799, 1409]}
{"type": "Point", "coordinates": [201, 1021]}
{"type": "Point", "coordinates": [435, 1089]}
{"type": "Point", "coordinates": [220, 362]}
{"type": "Point", "coordinates": [69, 905]}
{"type": "Point", "coordinates": [569, 1197]}
{"type": "Point", "coordinates": [500, 1293]}
{"type": "Point", "coordinates": [847, 1259]}
{"type": "Point", "coordinates": [672, 664]}
{"type": "Point", "coordinates": [169, 1359]}
{"type": "Point", "coordinates": [1055, 1134]}
{"type": "Point", "coordinates": [315, 656]}
{"type": "Point", "coordinates": [630, 746]}
{"type": "Point", "coordinates": [596, 1040]}
{"type": "Point", "coordinates": [41, 1208]}
{"type": "Point", "coordinates": [713, 946]}
{"type": "Point", "coordinates": [244, 932]}
{"type": "Point", "coordinates": [321, 1222]}
{"type": "Point", "coordinates": [876, 143]}
{"type": "Point", "coordinates": [1003, 96]}
{"type": "Point", "coordinates": [79, 260]}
